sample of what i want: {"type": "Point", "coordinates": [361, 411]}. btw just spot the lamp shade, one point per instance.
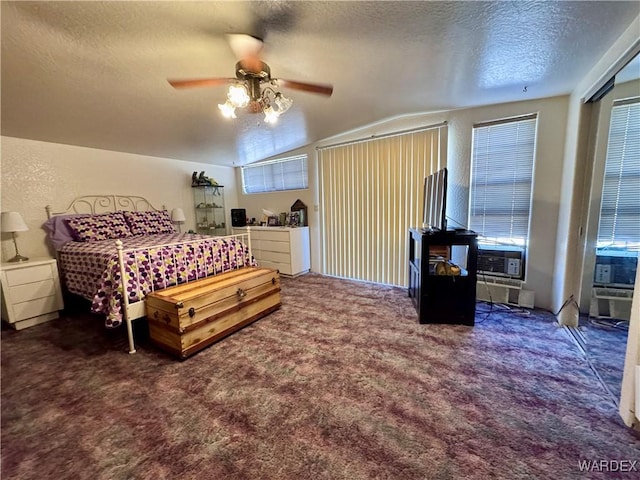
{"type": "Point", "coordinates": [177, 215]}
{"type": "Point", "coordinates": [12, 222]}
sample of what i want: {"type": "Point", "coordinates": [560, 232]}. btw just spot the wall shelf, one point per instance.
{"type": "Point", "coordinates": [210, 212]}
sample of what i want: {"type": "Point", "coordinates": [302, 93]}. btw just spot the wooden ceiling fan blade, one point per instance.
{"type": "Point", "coordinates": [200, 82]}
{"type": "Point", "coordinates": [244, 45]}
{"type": "Point", "coordinates": [322, 89]}
{"type": "Point", "coordinates": [251, 64]}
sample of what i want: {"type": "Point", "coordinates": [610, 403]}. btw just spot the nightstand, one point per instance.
{"type": "Point", "coordinates": [30, 292]}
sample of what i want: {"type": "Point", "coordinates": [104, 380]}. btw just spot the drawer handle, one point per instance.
{"type": "Point", "coordinates": [192, 312]}
{"type": "Point", "coordinates": [273, 280]}
{"type": "Point", "coordinates": [241, 293]}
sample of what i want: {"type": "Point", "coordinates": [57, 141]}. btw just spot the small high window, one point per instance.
{"type": "Point", "coordinates": [276, 175]}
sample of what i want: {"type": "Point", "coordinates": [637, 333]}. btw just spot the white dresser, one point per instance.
{"type": "Point", "coordinates": [30, 292]}
{"type": "Point", "coordinates": [286, 249]}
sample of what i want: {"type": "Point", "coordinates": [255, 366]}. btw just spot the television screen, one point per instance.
{"type": "Point", "coordinates": [435, 201]}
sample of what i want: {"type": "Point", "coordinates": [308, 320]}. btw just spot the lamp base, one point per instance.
{"type": "Point", "coordinates": [18, 258]}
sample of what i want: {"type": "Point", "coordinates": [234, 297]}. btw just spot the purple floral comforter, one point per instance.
{"type": "Point", "coordinates": [152, 262]}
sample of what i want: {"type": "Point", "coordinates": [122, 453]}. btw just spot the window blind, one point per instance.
{"type": "Point", "coordinates": [371, 193]}
{"type": "Point", "coordinates": [502, 170]}
{"type": "Point", "coordinates": [277, 175]}
{"type": "Point", "coordinates": [619, 224]}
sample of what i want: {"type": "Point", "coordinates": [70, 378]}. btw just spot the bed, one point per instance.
{"type": "Point", "coordinates": [107, 245]}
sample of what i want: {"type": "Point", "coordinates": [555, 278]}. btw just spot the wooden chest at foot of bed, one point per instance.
{"type": "Point", "coordinates": [188, 317]}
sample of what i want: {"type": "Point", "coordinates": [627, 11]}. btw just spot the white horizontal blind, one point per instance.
{"type": "Point", "coordinates": [501, 177]}
{"type": "Point", "coordinates": [371, 193]}
{"type": "Point", "coordinates": [277, 175]}
{"type": "Point", "coordinates": [620, 209]}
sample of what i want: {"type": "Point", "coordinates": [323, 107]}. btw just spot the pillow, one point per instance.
{"type": "Point", "coordinates": [59, 231]}
{"type": "Point", "coordinates": [104, 226]}
{"type": "Point", "coordinates": [151, 222]}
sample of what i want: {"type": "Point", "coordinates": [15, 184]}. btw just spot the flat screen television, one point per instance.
{"type": "Point", "coordinates": [435, 201]}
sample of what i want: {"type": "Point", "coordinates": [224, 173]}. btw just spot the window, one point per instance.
{"type": "Point", "coordinates": [275, 176]}
{"type": "Point", "coordinates": [501, 177]}
{"type": "Point", "coordinates": [619, 227]}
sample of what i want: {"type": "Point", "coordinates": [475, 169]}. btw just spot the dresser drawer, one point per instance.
{"type": "Point", "coordinates": [277, 257]}
{"type": "Point", "coordinates": [274, 246]}
{"type": "Point", "coordinates": [20, 276]}
{"type": "Point", "coordinates": [31, 291]}
{"type": "Point", "coordinates": [275, 235]}
{"type": "Point", "coordinates": [284, 268]}
{"type": "Point", "coordinates": [36, 307]}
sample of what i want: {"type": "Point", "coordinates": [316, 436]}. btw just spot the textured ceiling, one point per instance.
{"type": "Point", "coordinates": [94, 73]}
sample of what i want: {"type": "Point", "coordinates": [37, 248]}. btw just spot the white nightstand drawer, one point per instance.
{"type": "Point", "coordinates": [31, 291]}
{"type": "Point", "coordinates": [36, 307]}
{"type": "Point", "coordinates": [20, 276]}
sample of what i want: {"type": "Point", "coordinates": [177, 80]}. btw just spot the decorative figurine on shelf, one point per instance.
{"type": "Point", "coordinates": [301, 209]}
{"type": "Point", "coordinates": [205, 181]}
{"type": "Point", "coordinates": [194, 179]}
{"type": "Point", "coordinates": [202, 180]}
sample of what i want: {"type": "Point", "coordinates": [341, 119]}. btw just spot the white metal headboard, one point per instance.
{"type": "Point", "coordinates": [92, 204]}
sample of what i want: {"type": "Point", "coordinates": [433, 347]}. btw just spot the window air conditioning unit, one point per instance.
{"type": "Point", "coordinates": [615, 269]}
{"type": "Point", "coordinates": [503, 261]}
{"type": "Point", "coordinates": [613, 280]}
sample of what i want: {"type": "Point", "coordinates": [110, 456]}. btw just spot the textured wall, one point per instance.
{"type": "Point", "coordinates": [36, 174]}
{"type": "Point", "coordinates": [546, 189]}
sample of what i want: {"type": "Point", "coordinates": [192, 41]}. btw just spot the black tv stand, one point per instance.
{"type": "Point", "coordinates": [442, 298]}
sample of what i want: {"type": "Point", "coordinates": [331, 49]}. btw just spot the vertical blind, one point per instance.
{"type": "Point", "coordinates": [501, 176]}
{"type": "Point", "coordinates": [371, 193]}
{"type": "Point", "coordinates": [620, 209]}
{"type": "Point", "coordinates": [277, 175]}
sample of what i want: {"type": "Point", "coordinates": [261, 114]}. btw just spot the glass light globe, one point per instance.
{"type": "Point", "coordinates": [228, 110]}
{"type": "Point", "coordinates": [238, 96]}
{"type": "Point", "coordinates": [270, 115]}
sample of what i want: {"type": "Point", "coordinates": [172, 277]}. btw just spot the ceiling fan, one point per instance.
{"type": "Point", "coordinates": [253, 87]}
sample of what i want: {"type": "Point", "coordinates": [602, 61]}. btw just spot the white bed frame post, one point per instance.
{"type": "Point", "coordinates": [248, 237]}
{"type": "Point", "coordinates": [125, 297]}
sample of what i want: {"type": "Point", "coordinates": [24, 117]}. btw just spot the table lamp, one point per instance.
{"type": "Point", "coordinates": [177, 216]}
{"type": "Point", "coordinates": [12, 222]}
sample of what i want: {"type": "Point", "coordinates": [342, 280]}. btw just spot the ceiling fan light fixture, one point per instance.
{"type": "Point", "coordinates": [227, 109]}
{"type": "Point", "coordinates": [283, 103]}
{"type": "Point", "coordinates": [238, 95]}
{"type": "Point", "coordinates": [253, 89]}
{"type": "Point", "coordinates": [270, 115]}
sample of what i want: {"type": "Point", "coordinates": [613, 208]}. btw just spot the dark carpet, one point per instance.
{"type": "Point", "coordinates": [340, 383]}
{"type": "Point", "coordinates": [605, 346]}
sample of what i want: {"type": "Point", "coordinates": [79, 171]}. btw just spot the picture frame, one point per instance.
{"type": "Point", "coordinates": [272, 221]}
{"type": "Point", "coordinates": [294, 219]}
